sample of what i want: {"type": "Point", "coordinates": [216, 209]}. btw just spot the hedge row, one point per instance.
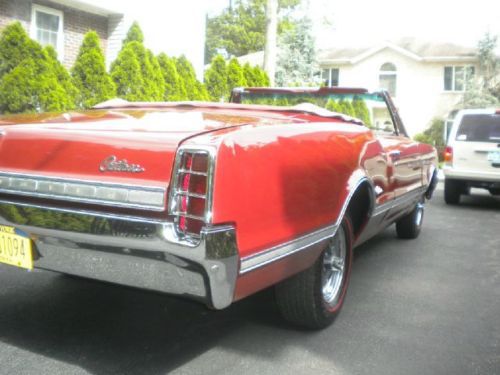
{"type": "Point", "coordinates": [355, 108]}
{"type": "Point", "coordinates": [33, 80]}
{"type": "Point", "coordinates": [221, 78]}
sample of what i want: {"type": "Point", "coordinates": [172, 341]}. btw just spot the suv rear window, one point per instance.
{"type": "Point", "coordinates": [479, 128]}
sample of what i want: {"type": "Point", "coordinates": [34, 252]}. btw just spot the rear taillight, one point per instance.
{"type": "Point", "coordinates": [448, 155]}
{"type": "Point", "coordinates": [190, 193]}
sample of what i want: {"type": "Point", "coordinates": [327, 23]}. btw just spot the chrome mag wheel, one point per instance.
{"type": "Point", "coordinates": [334, 266]}
{"type": "Point", "coordinates": [419, 214]}
{"type": "Point", "coordinates": [313, 297]}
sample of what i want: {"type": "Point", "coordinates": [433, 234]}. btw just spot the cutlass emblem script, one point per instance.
{"type": "Point", "coordinates": [112, 164]}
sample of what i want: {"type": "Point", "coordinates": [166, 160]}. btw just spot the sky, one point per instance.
{"type": "Point", "coordinates": [348, 21]}
{"type": "Point", "coordinates": [177, 27]}
{"type": "Point", "coordinates": [365, 22]}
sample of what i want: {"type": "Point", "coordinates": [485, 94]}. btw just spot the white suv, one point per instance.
{"type": "Point", "coordinates": [472, 155]}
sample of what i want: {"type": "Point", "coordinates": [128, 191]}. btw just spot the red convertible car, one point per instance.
{"type": "Point", "coordinates": [213, 201]}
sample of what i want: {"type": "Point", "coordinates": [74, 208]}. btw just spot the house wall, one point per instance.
{"type": "Point", "coordinates": [420, 94]}
{"type": "Point", "coordinates": [76, 23]}
{"type": "Point", "coordinates": [173, 31]}
{"type": "Point", "coordinates": [15, 11]}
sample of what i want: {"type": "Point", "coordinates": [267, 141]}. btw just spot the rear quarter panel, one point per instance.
{"type": "Point", "coordinates": [278, 182]}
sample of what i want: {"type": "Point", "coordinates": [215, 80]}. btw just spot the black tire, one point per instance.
{"type": "Point", "coordinates": [494, 191]}
{"type": "Point", "coordinates": [452, 191]}
{"type": "Point", "coordinates": [301, 298]}
{"type": "Point", "coordinates": [409, 226]}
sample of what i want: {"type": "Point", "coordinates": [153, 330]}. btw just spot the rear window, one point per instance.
{"type": "Point", "coordinates": [479, 128]}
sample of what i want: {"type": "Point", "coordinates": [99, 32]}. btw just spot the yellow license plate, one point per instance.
{"type": "Point", "coordinates": [15, 249]}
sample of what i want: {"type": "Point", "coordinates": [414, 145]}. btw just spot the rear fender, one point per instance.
{"type": "Point", "coordinates": [286, 188]}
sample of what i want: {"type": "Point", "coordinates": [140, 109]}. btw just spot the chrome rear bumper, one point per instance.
{"type": "Point", "coordinates": [129, 251]}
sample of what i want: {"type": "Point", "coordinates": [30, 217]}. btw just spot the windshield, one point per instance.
{"type": "Point", "coordinates": [479, 128]}
{"type": "Point", "coordinates": [368, 107]}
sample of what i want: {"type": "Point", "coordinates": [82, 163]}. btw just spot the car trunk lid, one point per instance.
{"type": "Point", "coordinates": [116, 158]}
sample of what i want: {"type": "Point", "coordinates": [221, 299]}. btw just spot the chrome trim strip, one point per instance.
{"type": "Point", "coordinates": [278, 252]}
{"type": "Point", "coordinates": [195, 173]}
{"type": "Point", "coordinates": [86, 212]}
{"type": "Point", "coordinates": [83, 191]}
{"type": "Point", "coordinates": [192, 195]}
{"type": "Point", "coordinates": [188, 216]}
{"type": "Point", "coordinates": [407, 197]}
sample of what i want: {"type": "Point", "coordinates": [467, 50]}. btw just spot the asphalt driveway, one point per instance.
{"type": "Point", "coordinates": [427, 306]}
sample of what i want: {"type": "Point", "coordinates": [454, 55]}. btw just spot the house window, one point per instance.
{"type": "Point", "coordinates": [330, 77]}
{"type": "Point", "coordinates": [456, 78]}
{"type": "Point", "coordinates": [47, 28]}
{"type": "Point", "coordinates": [388, 78]}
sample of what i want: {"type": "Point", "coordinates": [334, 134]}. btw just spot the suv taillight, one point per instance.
{"type": "Point", "coordinates": [190, 192]}
{"type": "Point", "coordinates": [448, 155]}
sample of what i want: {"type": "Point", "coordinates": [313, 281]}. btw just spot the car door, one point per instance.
{"type": "Point", "coordinates": [404, 158]}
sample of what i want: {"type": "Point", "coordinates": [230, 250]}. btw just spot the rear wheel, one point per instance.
{"type": "Point", "coordinates": [313, 298]}
{"type": "Point", "coordinates": [452, 191]}
{"type": "Point", "coordinates": [494, 191]}
{"type": "Point", "coordinates": [409, 226]}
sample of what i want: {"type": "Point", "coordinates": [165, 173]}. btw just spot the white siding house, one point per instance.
{"type": "Point", "coordinates": [426, 80]}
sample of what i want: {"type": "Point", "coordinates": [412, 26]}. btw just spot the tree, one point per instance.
{"type": "Point", "coordinates": [484, 91]}
{"type": "Point", "coordinates": [476, 96]}
{"type": "Point", "coordinates": [332, 105]}
{"type": "Point", "coordinates": [62, 75]}
{"type": "Point", "coordinates": [241, 29]}
{"type": "Point", "coordinates": [89, 74]}
{"type": "Point", "coordinates": [281, 102]}
{"type": "Point", "coordinates": [32, 87]}
{"type": "Point", "coordinates": [150, 74]}
{"type": "Point", "coordinates": [15, 46]}
{"type": "Point", "coordinates": [345, 107]}
{"type": "Point", "coordinates": [151, 89]}
{"type": "Point", "coordinates": [127, 75]}
{"type": "Point", "coordinates": [433, 135]}
{"type": "Point", "coordinates": [203, 94]}
{"type": "Point", "coordinates": [194, 89]}
{"type": "Point", "coordinates": [29, 80]}
{"type": "Point", "coordinates": [297, 55]}
{"type": "Point", "coordinates": [174, 88]}
{"type": "Point", "coordinates": [263, 78]}
{"type": "Point", "coordinates": [249, 75]}
{"type": "Point", "coordinates": [157, 80]}
{"type": "Point", "coordinates": [235, 76]}
{"type": "Point", "coordinates": [361, 110]}
{"type": "Point", "coordinates": [216, 79]}
{"type": "Point", "coordinates": [134, 34]}
{"type": "Point", "coordinates": [489, 63]}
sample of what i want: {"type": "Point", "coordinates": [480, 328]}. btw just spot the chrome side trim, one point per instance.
{"type": "Point", "coordinates": [304, 242]}
{"type": "Point", "coordinates": [406, 198]}
{"type": "Point", "coordinates": [277, 252]}
{"type": "Point", "coordinates": [84, 212]}
{"type": "Point", "coordinates": [83, 191]}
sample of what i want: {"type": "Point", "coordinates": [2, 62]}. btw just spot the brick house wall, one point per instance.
{"type": "Point", "coordinates": [76, 23]}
